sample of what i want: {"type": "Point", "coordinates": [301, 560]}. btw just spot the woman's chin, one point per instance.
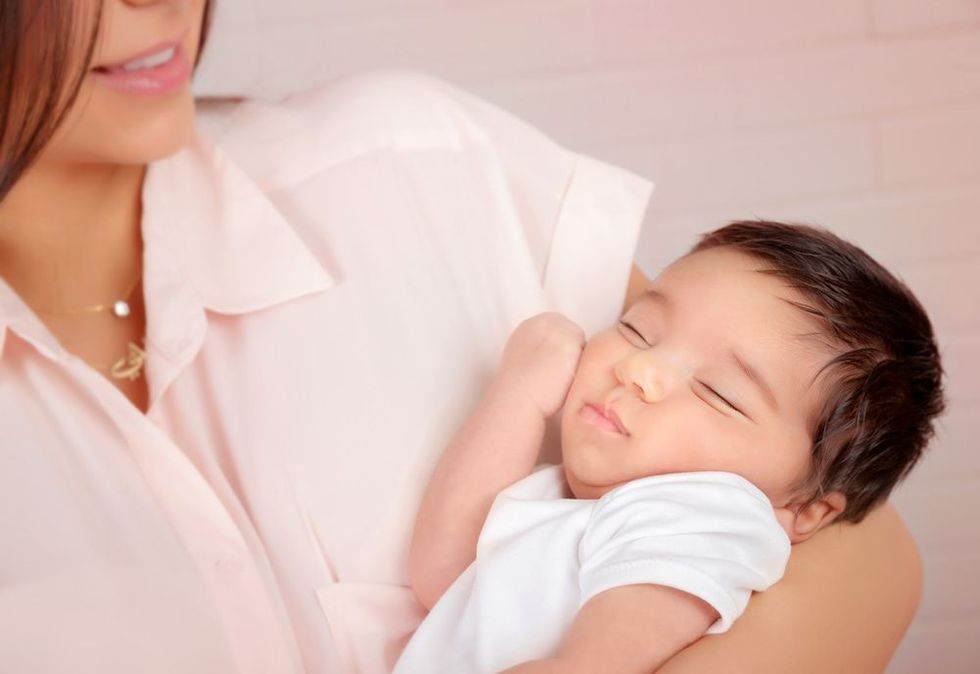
{"type": "Point", "coordinates": [126, 134]}
{"type": "Point", "coordinates": [158, 139]}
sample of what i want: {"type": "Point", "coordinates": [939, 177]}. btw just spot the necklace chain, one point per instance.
{"type": "Point", "coordinates": [114, 306]}
{"type": "Point", "coordinates": [131, 365]}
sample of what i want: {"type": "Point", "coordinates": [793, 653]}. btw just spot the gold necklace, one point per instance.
{"type": "Point", "coordinates": [131, 365]}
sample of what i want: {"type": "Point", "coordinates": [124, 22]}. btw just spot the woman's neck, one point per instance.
{"type": "Point", "coordinates": [70, 233]}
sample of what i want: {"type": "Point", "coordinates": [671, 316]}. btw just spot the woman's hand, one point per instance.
{"type": "Point", "coordinates": [539, 360]}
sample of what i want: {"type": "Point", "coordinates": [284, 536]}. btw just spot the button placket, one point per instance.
{"type": "Point", "coordinates": [241, 597]}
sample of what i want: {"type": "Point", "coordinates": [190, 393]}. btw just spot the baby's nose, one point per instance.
{"type": "Point", "coordinates": [646, 374]}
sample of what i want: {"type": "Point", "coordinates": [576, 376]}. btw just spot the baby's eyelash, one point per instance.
{"type": "Point", "coordinates": [720, 397]}
{"type": "Point", "coordinates": [632, 329]}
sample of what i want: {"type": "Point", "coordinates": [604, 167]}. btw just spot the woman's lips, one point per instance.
{"type": "Point", "coordinates": [165, 78]}
{"type": "Point", "coordinates": [603, 418]}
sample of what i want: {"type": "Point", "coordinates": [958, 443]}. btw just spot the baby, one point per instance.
{"type": "Point", "coordinates": [773, 380]}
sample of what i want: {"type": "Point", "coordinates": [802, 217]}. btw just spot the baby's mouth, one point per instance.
{"type": "Point", "coordinates": [604, 417]}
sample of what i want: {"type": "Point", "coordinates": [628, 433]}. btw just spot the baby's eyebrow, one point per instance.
{"type": "Point", "coordinates": [659, 298]}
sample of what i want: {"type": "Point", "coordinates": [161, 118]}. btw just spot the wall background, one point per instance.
{"type": "Point", "coordinates": [859, 115]}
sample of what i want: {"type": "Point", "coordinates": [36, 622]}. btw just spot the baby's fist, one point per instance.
{"type": "Point", "coordinates": [540, 358]}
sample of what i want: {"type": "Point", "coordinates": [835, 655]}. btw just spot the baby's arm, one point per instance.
{"type": "Point", "coordinates": [661, 560]}
{"type": "Point", "coordinates": [497, 446]}
{"type": "Point", "coordinates": [630, 628]}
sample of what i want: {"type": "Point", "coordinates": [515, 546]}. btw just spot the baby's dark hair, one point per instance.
{"type": "Point", "coordinates": [883, 389]}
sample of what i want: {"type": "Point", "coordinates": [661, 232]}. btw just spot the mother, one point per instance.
{"type": "Point", "coordinates": [234, 340]}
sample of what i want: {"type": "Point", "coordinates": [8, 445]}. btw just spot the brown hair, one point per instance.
{"type": "Point", "coordinates": [883, 389]}
{"type": "Point", "coordinates": [39, 81]}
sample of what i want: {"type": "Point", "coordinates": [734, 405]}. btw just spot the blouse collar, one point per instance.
{"type": "Point", "coordinates": [210, 233]}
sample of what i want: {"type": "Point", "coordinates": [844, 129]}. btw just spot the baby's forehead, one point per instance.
{"type": "Point", "coordinates": [737, 285]}
{"type": "Point", "coordinates": [775, 327]}
{"type": "Point", "coordinates": [734, 298]}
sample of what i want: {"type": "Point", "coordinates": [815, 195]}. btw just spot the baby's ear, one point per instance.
{"type": "Point", "coordinates": [802, 521]}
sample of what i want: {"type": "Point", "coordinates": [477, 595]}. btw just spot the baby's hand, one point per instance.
{"type": "Point", "coordinates": [540, 358]}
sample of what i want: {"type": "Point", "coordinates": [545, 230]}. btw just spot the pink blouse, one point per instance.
{"type": "Point", "coordinates": [328, 282]}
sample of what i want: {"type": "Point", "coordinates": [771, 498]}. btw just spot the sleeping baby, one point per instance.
{"type": "Point", "coordinates": [772, 381]}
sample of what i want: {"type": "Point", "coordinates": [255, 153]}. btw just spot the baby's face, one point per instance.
{"type": "Point", "coordinates": [666, 371]}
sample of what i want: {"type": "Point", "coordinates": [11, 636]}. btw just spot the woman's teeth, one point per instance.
{"type": "Point", "coordinates": [151, 61]}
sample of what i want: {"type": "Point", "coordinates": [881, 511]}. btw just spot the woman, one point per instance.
{"type": "Point", "coordinates": [233, 341]}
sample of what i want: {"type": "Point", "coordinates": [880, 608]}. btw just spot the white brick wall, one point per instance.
{"type": "Point", "coordinates": [860, 115]}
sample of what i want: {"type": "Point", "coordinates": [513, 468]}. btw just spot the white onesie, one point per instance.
{"type": "Point", "coordinates": [541, 557]}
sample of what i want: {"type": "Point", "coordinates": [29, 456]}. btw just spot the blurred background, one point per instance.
{"type": "Point", "coordinates": [859, 115]}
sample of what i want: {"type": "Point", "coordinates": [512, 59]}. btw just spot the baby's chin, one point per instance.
{"type": "Point", "coordinates": [583, 490]}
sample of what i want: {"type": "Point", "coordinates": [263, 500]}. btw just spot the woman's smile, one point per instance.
{"type": "Point", "coordinates": [162, 69]}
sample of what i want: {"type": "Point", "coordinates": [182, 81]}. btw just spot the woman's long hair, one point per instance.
{"type": "Point", "coordinates": [41, 74]}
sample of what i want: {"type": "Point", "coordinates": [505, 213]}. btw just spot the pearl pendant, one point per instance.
{"type": "Point", "coordinates": [121, 309]}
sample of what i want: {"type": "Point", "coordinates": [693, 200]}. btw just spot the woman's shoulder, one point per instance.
{"type": "Point", "coordinates": [375, 101]}
{"type": "Point", "coordinates": [455, 161]}
{"type": "Point", "coordinates": [361, 113]}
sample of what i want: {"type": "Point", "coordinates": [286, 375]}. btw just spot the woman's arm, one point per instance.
{"type": "Point", "coordinates": [848, 595]}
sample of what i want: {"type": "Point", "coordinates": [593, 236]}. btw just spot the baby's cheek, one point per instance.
{"type": "Point", "coordinates": [666, 434]}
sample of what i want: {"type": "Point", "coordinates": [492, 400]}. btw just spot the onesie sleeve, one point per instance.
{"type": "Point", "coordinates": [711, 534]}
